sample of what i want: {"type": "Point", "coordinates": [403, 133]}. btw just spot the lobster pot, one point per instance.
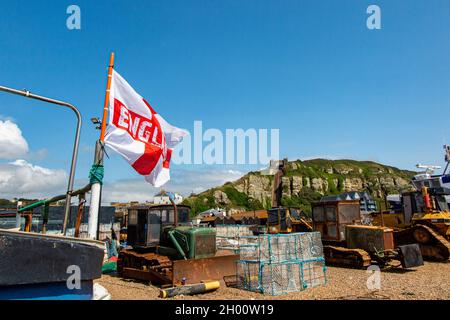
{"type": "Point", "coordinates": [248, 252]}
{"type": "Point", "coordinates": [280, 278]}
{"type": "Point", "coordinates": [225, 243]}
{"type": "Point", "coordinates": [248, 246]}
{"type": "Point", "coordinates": [309, 246]}
{"type": "Point", "coordinates": [233, 231]}
{"type": "Point", "coordinates": [277, 248]}
{"type": "Point", "coordinates": [247, 276]}
{"type": "Point", "coordinates": [246, 241]}
{"type": "Point", "coordinates": [281, 263]}
{"type": "Point", "coordinates": [233, 237]}
{"type": "Point", "coordinates": [314, 273]}
{"type": "Point", "coordinates": [289, 247]}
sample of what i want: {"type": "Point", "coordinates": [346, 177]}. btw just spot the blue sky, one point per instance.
{"type": "Point", "coordinates": [312, 69]}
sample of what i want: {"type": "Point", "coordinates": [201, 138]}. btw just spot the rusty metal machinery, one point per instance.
{"type": "Point", "coordinates": [378, 242]}
{"type": "Point", "coordinates": [167, 251]}
{"type": "Point", "coordinates": [287, 220]}
{"type": "Point", "coordinates": [349, 244]}
{"type": "Point", "coordinates": [433, 246]}
{"type": "Point", "coordinates": [424, 219]}
{"type": "Point", "coordinates": [343, 257]}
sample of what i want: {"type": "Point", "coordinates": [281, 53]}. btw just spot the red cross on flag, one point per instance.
{"type": "Point", "coordinates": [139, 134]}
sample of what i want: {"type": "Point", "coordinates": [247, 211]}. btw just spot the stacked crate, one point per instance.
{"type": "Point", "coordinates": [232, 231]}
{"type": "Point", "coordinates": [282, 263]}
{"type": "Point", "coordinates": [232, 237]}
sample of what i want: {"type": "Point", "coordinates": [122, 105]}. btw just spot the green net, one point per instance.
{"type": "Point", "coordinates": [109, 267]}
{"type": "Point", "coordinates": [96, 174]}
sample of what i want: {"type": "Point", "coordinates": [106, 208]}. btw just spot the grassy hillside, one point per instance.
{"type": "Point", "coordinates": [304, 182]}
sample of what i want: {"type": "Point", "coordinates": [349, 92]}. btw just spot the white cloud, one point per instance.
{"type": "Point", "coordinates": [182, 181]}
{"type": "Point", "coordinates": [22, 179]}
{"type": "Point", "coordinates": [12, 143]}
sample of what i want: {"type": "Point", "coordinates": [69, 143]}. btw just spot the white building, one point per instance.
{"type": "Point", "coordinates": [163, 198]}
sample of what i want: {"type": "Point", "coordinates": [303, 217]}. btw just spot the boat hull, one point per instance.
{"type": "Point", "coordinates": [40, 266]}
{"type": "Point", "coordinates": [47, 291]}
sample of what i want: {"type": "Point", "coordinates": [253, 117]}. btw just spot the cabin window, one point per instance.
{"type": "Point", "coordinates": [164, 216]}
{"type": "Point", "coordinates": [318, 214]}
{"type": "Point", "coordinates": [132, 218]}
{"type": "Point", "coordinates": [183, 215]}
{"type": "Point", "coordinates": [349, 213]}
{"type": "Point", "coordinates": [273, 217]}
{"type": "Point", "coordinates": [331, 213]}
{"type": "Point", "coordinates": [170, 216]}
{"type": "Point", "coordinates": [154, 217]}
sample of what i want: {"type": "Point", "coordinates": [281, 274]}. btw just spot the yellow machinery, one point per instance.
{"type": "Point", "coordinates": [435, 211]}
{"type": "Point", "coordinates": [287, 220]}
{"type": "Point", "coordinates": [424, 218]}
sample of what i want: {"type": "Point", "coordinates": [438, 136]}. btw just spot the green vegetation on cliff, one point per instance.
{"type": "Point", "coordinates": [304, 182]}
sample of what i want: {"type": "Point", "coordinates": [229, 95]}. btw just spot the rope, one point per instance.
{"type": "Point", "coordinates": [96, 174]}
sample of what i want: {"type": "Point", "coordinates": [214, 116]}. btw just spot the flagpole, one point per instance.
{"type": "Point", "coordinates": [105, 105]}
{"type": "Point", "coordinates": [96, 186]}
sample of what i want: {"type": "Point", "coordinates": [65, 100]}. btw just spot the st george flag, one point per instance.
{"type": "Point", "coordinates": [139, 134]}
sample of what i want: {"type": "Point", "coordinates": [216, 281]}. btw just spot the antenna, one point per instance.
{"type": "Point", "coordinates": [447, 157]}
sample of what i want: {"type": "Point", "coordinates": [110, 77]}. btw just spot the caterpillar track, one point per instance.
{"type": "Point", "coordinates": [434, 247]}
{"type": "Point", "coordinates": [343, 257]}
{"type": "Point", "coordinates": [145, 266]}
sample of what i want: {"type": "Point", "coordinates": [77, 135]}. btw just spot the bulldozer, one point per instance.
{"type": "Point", "coordinates": [287, 220]}
{"type": "Point", "coordinates": [165, 249]}
{"type": "Point", "coordinates": [348, 243]}
{"type": "Point", "coordinates": [422, 218]}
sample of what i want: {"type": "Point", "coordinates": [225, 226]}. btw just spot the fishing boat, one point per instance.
{"type": "Point", "coordinates": [48, 267]}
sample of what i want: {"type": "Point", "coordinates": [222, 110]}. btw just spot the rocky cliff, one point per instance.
{"type": "Point", "coordinates": [305, 181]}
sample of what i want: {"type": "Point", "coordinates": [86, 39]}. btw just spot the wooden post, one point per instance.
{"type": "Point", "coordinates": [29, 221]}
{"type": "Point", "coordinates": [81, 199]}
{"type": "Point", "coordinates": [106, 103]}
{"type": "Point", "coordinates": [45, 218]}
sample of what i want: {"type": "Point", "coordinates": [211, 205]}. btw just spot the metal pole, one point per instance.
{"type": "Point", "coordinates": [18, 216]}
{"type": "Point", "coordinates": [30, 95]}
{"type": "Point", "coordinates": [94, 208]}
{"type": "Point", "coordinates": [97, 235]}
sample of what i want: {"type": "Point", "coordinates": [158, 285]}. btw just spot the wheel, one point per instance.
{"type": "Point", "coordinates": [422, 236]}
